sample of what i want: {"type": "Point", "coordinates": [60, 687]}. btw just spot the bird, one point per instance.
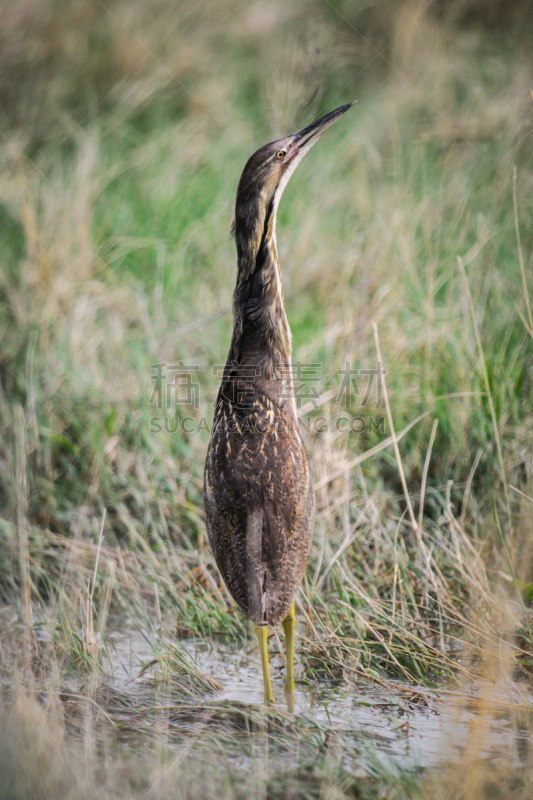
{"type": "Point", "coordinates": [258, 490]}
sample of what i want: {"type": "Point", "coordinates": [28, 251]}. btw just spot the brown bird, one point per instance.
{"type": "Point", "coordinates": [258, 491]}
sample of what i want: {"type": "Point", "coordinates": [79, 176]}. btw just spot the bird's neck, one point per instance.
{"type": "Point", "coordinates": [261, 329]}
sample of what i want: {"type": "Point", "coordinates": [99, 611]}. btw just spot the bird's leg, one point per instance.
{"type": "Point", "coordinates": [262, 636]}
{"type": "Point", "coordinates": [289, 623]}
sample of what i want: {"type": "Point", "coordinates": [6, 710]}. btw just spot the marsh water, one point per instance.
{"type": "Point", "coordinates": [388, 721]}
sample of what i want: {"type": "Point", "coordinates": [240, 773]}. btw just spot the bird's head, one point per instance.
{"type": "Point", "coordinates": [262, 182]}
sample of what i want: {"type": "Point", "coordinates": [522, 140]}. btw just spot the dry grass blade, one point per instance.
{"type": "Point", "coordinates": [489, 397]}
{"type": "Point", "coordinates": [520, 254]}
{"type": "Point", "coordinates": [394, 437]}
{"type": "Point", "coordinates": [425, 472]}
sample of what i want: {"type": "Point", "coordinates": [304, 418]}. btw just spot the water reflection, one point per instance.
{"type": "Point", "coordinates": [414, 726]}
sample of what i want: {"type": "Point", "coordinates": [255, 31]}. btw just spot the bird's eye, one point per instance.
{"type": "Point", "coordinates": [281, 154]}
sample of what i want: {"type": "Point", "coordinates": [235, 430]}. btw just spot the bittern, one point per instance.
{"type": "Point", "coordinates": [258, 491]}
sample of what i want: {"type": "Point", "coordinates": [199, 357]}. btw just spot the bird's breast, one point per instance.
{"type": "Point", "coordinates": [259, 505]}
{"type": "Point", "coordinates": [257, 434]}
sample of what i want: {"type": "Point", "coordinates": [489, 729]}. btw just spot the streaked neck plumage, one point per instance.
{"type": "Point", "coordinates": [261, 333]}
{"type": "Point", "coordinates": [261, 330]}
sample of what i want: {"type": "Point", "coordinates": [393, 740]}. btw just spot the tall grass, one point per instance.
{"type": "Point", "coordinates": [124, 130]}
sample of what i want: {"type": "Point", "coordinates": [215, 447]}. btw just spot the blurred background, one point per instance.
{"type": "Point", "coordinates": [124, 127]}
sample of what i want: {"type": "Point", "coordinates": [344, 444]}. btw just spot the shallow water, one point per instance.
{"type": "Point", "coordinates": [395, 722]}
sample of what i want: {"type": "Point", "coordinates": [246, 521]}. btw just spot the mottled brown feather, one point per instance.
{"type": "Point", "coordinates": [258, 493]}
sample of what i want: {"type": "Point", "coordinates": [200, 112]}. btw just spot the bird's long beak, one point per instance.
{"type": "Point", "coordinates": [303, 141]}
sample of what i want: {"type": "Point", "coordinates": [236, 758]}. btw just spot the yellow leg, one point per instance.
{"type": "Point", "coordinates": [289, 623]}
{"type": "Point", "coordinates": [262, 636]}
